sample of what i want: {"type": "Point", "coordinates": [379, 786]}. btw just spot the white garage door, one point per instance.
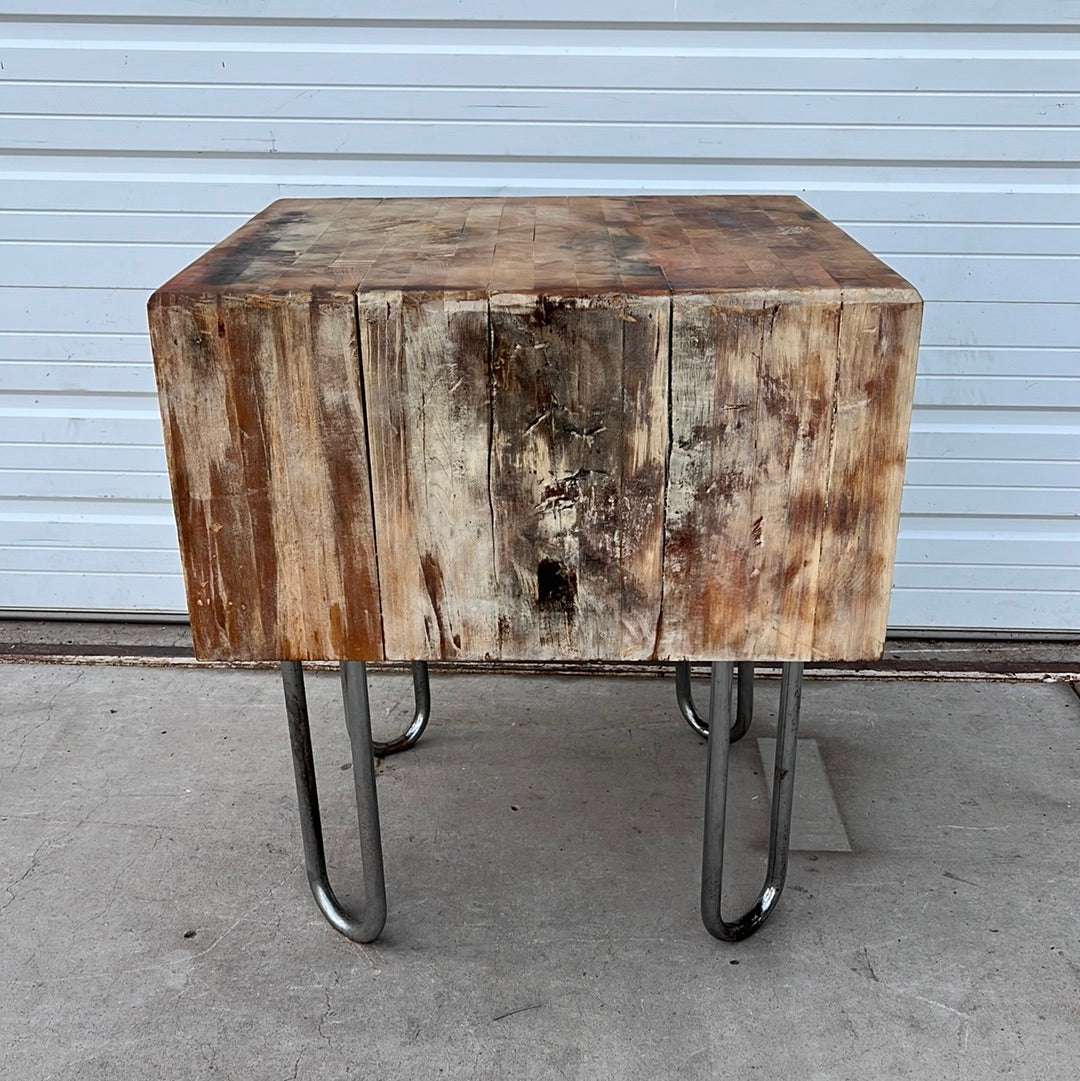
{"type": "Point", "coordinates": [136, 134]}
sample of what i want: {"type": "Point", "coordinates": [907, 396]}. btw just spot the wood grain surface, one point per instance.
{"type": "Point", "coordinates": [526, 429]}
{"type": "Point", "coordinates": [264, 432]}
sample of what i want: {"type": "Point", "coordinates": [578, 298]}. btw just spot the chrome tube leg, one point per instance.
{"type": "Point", "coordinates": [744, 713]}
{"type": "Point", "coordinates": [684, 695]}
{"type": "Point", "coordinates": [712, 860]}
{"type": "Point", "coordinates": [744, 699]}
{"type": "Point", "coordinates": [366, 924]}
{"type": "Point", "coordinates": [421, 714]}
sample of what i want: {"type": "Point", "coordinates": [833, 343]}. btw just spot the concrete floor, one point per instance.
{"type": "Point", "coordinates": [542, 848]}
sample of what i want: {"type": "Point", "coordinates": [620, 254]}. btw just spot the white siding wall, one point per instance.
{"type": "Point", "coordinates": [136, 134]}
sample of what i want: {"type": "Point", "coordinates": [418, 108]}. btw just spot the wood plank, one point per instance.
{"type": "Point", "coordinates": [710, 524]}
{"type": "Point", "coordinates": [579, 432]}
{"type": "Point", "coordinates": [878, 349]}
{"type": "Point", "coordinates": [426, 384]}
{"type": "Point", "coordinates": [752, 383]}
{"type": "Point", "coordinates": [264, 433]}
{"type": "Point", "coordinates": [518, 498]}
{"type": "Point", "coordinates": [793, 428]}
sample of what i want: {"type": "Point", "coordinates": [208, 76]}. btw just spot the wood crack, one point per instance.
{"type": "Point", "coordinates": [669, 443]}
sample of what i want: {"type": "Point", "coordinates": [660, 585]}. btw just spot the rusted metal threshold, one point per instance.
{"type": "Point", "coordinates": [168, 645]}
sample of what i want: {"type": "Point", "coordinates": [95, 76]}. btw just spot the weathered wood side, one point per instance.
{"type": "Point", "coordinates": [879, 343]}
{"type": "Point", "coordinates": [793, 427]}
{"type": "Point", "coordinates": [578, 438]}
{"type": "Point", "coordinates": [752, 392]}
{"type": "Point", "coordinates": [264, 433]}
{"type": "Point", "coordinates": [709, 528]}
{"type": "Point", "coordinates": [518, 472]}
{"type": "Point", "coordinates": [426, 385]}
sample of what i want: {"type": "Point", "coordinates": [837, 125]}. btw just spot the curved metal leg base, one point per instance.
{"type": "Point", "coordinates": [744, 713]}
{"type": "Point", "coordinates": [421, 715]}
{"type": "Point", "coordinates": [366, 924]}
{"type": "Point", "coordinates": [712, 860]}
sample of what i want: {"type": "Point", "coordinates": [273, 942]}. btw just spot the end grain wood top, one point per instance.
{"type": "Point", "coordinates": [645, 428]}
{"type": "Point", "coordinates": [570, 245]}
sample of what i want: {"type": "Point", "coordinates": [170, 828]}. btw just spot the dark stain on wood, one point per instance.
{"type": "Point", "coordinates": [546, 309]}
{"type": "Point", "coordinates": [433, 583]}
{"type": "Point", "coordinates": [258, 242]}
{"type": "Point", "coordinates": [556, 587]}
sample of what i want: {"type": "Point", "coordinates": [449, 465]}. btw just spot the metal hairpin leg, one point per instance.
{"type": "Point", "coordinates": [366, 924]}
{"type": "Point", "coordinates": [712, 859]}
{"type": "Point", "coordinates": [744, 713]}
{"type": "Point", "coordinates": [421, 713]}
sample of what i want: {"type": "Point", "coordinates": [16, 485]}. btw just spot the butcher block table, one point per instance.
{"type": "Point", "coordinates": [654, 428]}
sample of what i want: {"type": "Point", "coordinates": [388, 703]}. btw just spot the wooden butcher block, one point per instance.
{"type": "Point", "coordinates": [647, 428]}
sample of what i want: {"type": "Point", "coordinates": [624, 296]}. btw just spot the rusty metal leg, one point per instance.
{"type": "Point", "coordinates": [712, 861]}
{"type": "Point", "coordinates": [421, 715]}
{"type": "Point", "coordinates": [744, 712]}
{"type": "Point", "coordinates": [366, 924]}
